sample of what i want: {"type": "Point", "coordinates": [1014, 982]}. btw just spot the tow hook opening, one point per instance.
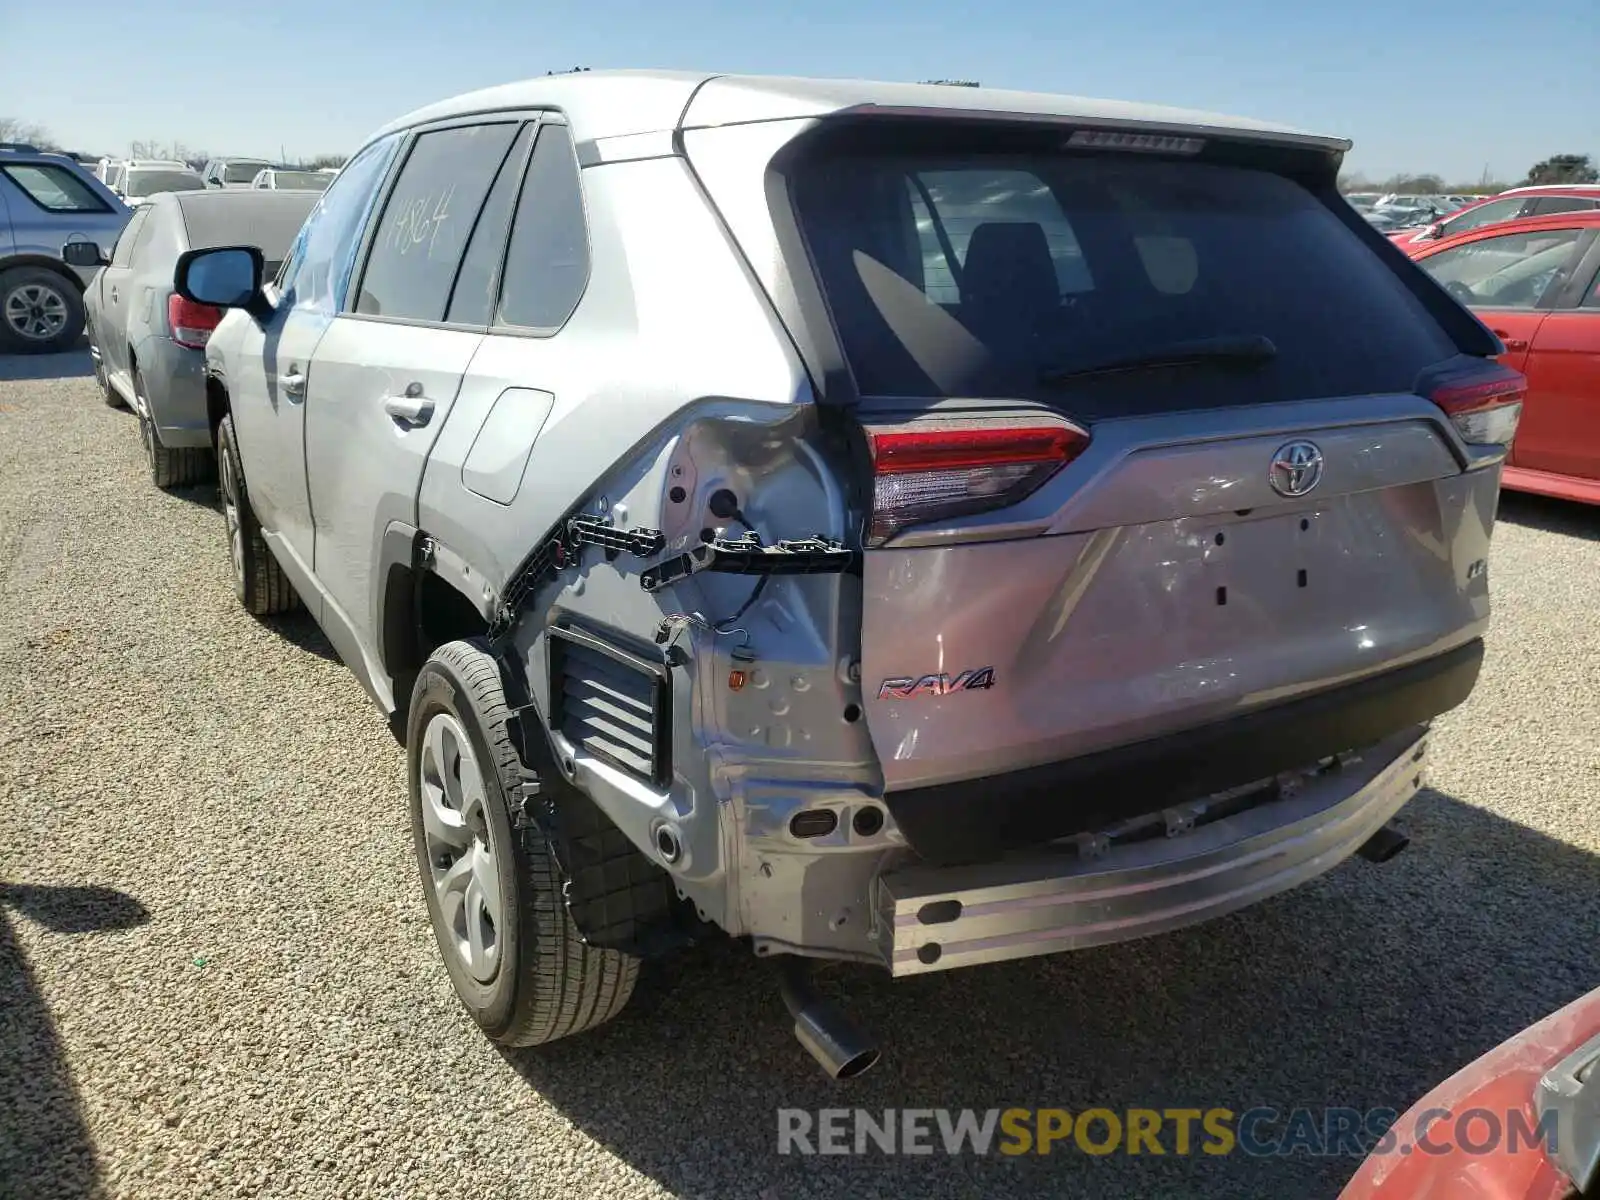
{"type": "Point", "coordinates": [1385, 844]}
{"type": "Point", "coordinates": [842, 1047]}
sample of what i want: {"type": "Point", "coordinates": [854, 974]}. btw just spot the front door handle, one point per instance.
{"type": "Point", "coordinates": [1511, 343]}
{"type": "Point", "coordinates": [113, 293]}
{"type": "Point", "coordinates": [294, 384]}
{"type": "Point", "coordinates": [412, 411]}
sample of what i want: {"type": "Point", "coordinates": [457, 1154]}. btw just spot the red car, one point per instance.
{"type": "Point", "coordinates": [1536, 201]}
{"type": "Point", "coordinates": [1520, 1123]}
{"type": "Point", "coordinates": [1536, 283]}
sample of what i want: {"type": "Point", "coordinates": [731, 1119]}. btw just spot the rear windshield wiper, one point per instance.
{"type": "Point", "coordinates": [1242, 349]}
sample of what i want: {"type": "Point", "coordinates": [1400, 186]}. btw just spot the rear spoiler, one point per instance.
{"type": "Point", "coordinates": [1229, 133]}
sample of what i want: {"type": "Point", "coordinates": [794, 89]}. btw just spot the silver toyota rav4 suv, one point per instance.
{"type": "Point", "coordinates": [913, 525]}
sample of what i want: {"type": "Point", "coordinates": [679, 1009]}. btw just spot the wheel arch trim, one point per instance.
{"type": "Point", "coordinates": [54, 265]}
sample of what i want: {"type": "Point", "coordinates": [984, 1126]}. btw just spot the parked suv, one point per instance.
{"type": "Point", "coordinates": [233, 172]}
{"type": "Point", "coordinates": [287, 179]}
{"type": "Point", "coordinates": [140, 181]}
{"type": "Point", "coordinates": [913, 525]}
{"type": "Point", "coordinates": [118, 172]}
{"type": "Point", "coordinates": [47, 200]}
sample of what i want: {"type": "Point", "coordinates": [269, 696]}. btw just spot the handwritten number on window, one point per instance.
{"type": "Point", "coordinates": [420, 222]}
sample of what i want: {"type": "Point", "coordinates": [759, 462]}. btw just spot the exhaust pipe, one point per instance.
{"type": "Point", "coordinates": [1384, 845]}
{"type": "Point", "coordinates": [821, 1026]}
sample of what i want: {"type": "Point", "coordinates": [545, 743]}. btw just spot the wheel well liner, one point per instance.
{"type": "Point", "coordinates": [421, 611]}
{"type": "Point", "coordinates": [217, 402]}
{"type": "Point", "coordinates": [43, 260]}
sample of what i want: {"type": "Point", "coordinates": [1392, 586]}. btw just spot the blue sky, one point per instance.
{"type": "Point", "coordinates": [1438, 85]}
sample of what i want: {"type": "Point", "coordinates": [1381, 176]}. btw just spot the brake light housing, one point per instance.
{"type": "Point", "coordinates": [191, 324]}
{"type": "Point", "coordinates": [936, 470]}
{"type": "Point", "coordinates": [1149, 143]}
{"type": "Point", "coordinates": [1484, 403]}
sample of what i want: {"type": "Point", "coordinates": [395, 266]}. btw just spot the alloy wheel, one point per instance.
{"type": "Point", "coordinates": [147, 433]}
{"type": "Point", "coordinates": [230, 512]}
{"type": "Point", "coordinates": [36, 311]}
{"type": "Point", "coordinates": [463, 866]}
{"type": "Point", "coordinates": [97, 359]}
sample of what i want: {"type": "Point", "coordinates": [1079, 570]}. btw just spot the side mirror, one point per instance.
{"type": "Point", "coordinates": [223, 277]}
{"type": "Point", "coordinates": [83, 254]}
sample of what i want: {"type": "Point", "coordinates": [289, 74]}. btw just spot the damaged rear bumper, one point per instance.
{"type": "Point", "coordinates": [932, 918]}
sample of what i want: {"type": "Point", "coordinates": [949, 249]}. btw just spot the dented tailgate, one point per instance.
{"type": "Point", "coordinates": [1173, 587]}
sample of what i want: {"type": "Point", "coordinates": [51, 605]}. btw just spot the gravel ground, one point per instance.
{"type": "Point", "coordinates": [217, 978]}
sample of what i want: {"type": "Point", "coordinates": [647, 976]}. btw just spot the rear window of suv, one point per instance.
{"type": "Point", "coordinates": [149, 182]}
{"type": "Point", "coordinates": [242, 170]}
{"type": "Point", "coordinates": [995, 275]}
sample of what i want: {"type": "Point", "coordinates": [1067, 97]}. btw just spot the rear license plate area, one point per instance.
{"type": "Point", "coordinates": [1255, 562]}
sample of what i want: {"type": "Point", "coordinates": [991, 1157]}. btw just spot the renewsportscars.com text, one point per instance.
{"type": "Point", "coordinates": [1258, 1132]}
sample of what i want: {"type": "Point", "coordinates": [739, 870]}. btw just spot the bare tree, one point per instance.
{"type": "Point", "coordinates": [16, 129]}
{"type": "Point", "coordinates": [173, 151]}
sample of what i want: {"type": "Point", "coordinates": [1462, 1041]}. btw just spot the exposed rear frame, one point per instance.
{"type": "Point", "coordinates": [655, 673]}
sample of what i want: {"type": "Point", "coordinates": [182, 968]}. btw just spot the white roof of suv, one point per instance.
{"type": "Point", "coordinates": [606, 104]}
{"type": "Point", "coordinates": [1539, 187]}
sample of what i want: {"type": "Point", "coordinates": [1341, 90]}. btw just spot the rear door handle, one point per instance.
{"type": "Point", "coordinates": [411, 411]}
{"type": "Point", "coordinates": [113, 293]}
{"type": "Point", "coordinates": [294, 384]}
{"type": "Point", "coordinates": [1511, 343]}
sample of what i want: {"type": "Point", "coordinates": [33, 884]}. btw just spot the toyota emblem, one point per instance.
{"type": "Point", "coordinates": [1296, 468]}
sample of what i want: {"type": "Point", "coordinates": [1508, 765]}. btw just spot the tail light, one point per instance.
{"type": "Point", "coordinates": [934, 471]}
{"type": "Point", "coordinates": [190, 323]}
{"type": "Point", "coordinates": [1483, 403]}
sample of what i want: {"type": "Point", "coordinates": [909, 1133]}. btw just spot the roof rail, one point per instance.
{"type": "Point", "coordinates": [23, 147]}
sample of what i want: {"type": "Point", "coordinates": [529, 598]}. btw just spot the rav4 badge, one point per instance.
{"type": "Point", "coordinates": [937, 685]}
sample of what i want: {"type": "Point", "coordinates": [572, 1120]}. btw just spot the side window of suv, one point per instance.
{"type": "Point", "coordinates": [418, 241]}
{"type": "Point", "coordinates": [547, 261]}
{"type": "Point", "coordinates": [477, 282]}
{"type": "Point", "coordinates": [1513, 270]}
{"type": "Point", "coordinates": [1592, 300]}
{"type": "Point", "coordinates": [1561, 204]}
{"type": "Point", "coordinates": [55, 188]}
{"type": "Point", "coordinates": [1483, 214]}
{"type": "Point", "coordinates": [317, 268]}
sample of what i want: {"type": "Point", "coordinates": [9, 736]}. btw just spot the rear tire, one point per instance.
{"type": "Point", "coordinates": [168, 468]}
{"type": "Point", "coordinates": [258, 580]}
{"type": "Point", "coordinates": [494, 890]}
{"type": "Point", "coordinates": [41, 312]}
{"type": "Point", "coordinates": [113, 398]}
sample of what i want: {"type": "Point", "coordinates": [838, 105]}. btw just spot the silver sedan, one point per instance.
{"type": "Point", "coordinates": [147, 342]}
